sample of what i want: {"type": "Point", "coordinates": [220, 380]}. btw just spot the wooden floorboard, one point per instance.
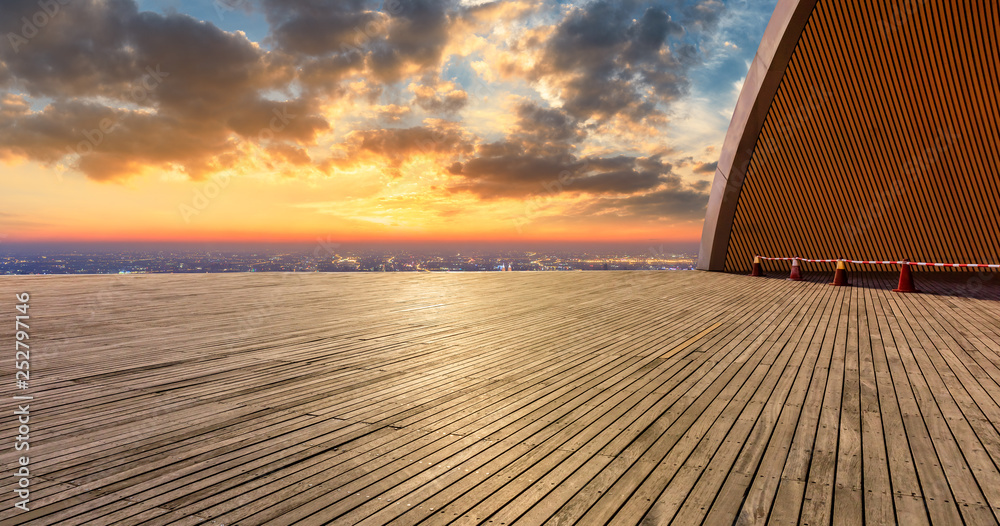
{"type": "Point", "coordinates": [508, 398]}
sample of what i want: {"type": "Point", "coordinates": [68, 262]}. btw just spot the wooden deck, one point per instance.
{"type": "Point", "coordinates": [506, 398]}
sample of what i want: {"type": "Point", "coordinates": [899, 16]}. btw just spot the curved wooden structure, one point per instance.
{"type": "Point", "coordinates": [864, 130]}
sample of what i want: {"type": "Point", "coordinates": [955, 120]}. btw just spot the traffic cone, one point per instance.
{"type": "Point", "coordinates": [840, 276]}
{"type": "Point", "coordinates": [758, 269]}
{"type": "Point", "coordinates": [795, 275]}
{"type": "Point", "coordinates": [905, 279]}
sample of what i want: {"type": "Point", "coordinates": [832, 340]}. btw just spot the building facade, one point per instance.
{"type": "Point", "coordinates": [864, 130]}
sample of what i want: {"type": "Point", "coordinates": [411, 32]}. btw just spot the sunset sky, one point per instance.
{"type": "Point", "coordinates": [277, 120]}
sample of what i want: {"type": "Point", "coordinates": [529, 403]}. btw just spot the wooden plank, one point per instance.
{"type": "Point", "coordinates": [563, 400]}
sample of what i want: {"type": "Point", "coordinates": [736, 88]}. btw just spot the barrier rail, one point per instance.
{"type": "Point", "coordinates": [840, 278]}
{"type": "Point", "coordinates": [903, 262]}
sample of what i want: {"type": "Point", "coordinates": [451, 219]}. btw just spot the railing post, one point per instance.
{"type": "Point", "coordinates": [840, 276]}
{"type": "Point", "coordinates": [905, 279]}
{"type": "Point", "coordinates": [795, 275]}
{"type": "Point", "coordinates": [758, 269]}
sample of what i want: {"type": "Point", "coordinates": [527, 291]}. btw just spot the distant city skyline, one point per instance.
{"type": "Point", "coordinates": [329, 257]}
{"type": "Point", "coordinates": [399, 121]}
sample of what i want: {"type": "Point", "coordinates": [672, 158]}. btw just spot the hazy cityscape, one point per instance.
{"type": "Point", "coordinates": [332, 258]}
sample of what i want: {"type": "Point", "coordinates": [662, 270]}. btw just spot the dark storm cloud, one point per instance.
{"type": "Point", "coordinates": [512, 170]}
{"type": "Point", "coordinates": [519, 174]}
{"type": "Point", "coordinates": [400, 142]}
{"type": "Point", "coordinates": [80, 47]}
{"type": "Point", "coordinates": [395, 146]}
{"type": "Point", "coordinates": [621, 58]}
{"type": "Point", "coordinates": [701, 186]}
{"type": "Point", "coordinates": [46, 135]}
{"type": "Point", "coordinates": [447, 103]}
{"type": "Point", "coordinates": [114, 143]}
{"type": "Point", "coordinates": [416, 36]}
{"type": "Point", "coordinates": [539, 150]}
{"type": "Point", "coordinates": [706, 168]}
{"type": "Point", "coordinates": [439, 97]}
{"type": "Point", "coordinates": [287, 120]}
{"type": "Point", "coordinates": [194, 86]}
{"type": "Point", "coordinates": [675, 201]}
{"type": "Point", "coordinates": [547, 124]}
{"type": "Point", "coordinates": [11, 107]}
{"type": "Point", "coordinates": [390, 40]}
{"type": "Point", "coordinates": [290, 154]}
{"type": "Point", "coordinates": [538, 156]}
{"type": "Point", "coordinates": [318, 27]}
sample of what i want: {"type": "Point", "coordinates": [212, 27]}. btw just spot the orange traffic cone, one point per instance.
{"type": "Point", "coordinates": [840, 276]}
{"type": "Point", "coordinates": [758, 269]}
{"type": "Point", "coordinates": [795, 275]}
{"type": "Point", "coordinates": [905, 279]}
